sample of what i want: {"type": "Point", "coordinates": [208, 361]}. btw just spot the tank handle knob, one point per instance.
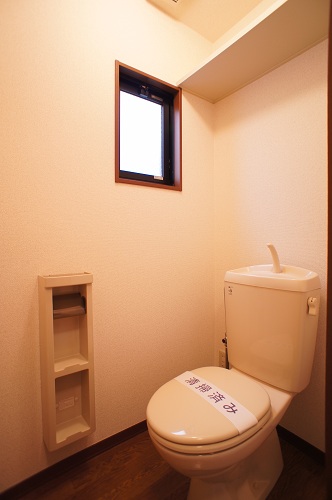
{"type": "Point", "coordinates": [313, 306]}
{"type": "Point", "coordinates": [275, 259]}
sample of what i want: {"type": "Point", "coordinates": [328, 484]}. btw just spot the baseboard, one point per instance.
{"type": "Point", "coordinates": [59, 468]}
{"type": "Point", "coordinates": [302, 445]}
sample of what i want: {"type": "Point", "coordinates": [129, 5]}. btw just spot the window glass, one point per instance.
{"type": "Point", "coordinates": [140, 135]}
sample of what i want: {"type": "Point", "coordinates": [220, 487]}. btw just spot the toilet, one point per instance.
{"type": "Point", "coordinates": [218, 426]}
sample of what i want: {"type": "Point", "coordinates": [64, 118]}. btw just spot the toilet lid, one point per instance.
{"type": "Point", "coordinates": [179, 415]}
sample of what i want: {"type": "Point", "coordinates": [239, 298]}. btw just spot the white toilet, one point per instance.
{"type": "Point", "coordinates": [218, 426]}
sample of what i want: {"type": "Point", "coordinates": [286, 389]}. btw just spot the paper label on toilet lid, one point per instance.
{"type": "Point", "coordinates": [240, 417]}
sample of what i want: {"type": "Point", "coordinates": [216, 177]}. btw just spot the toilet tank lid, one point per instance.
{"type": "Point", "coordinates": [290, 278]}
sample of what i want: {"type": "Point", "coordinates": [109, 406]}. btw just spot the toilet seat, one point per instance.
{"type": "Point", "coordinates": [184, 422]}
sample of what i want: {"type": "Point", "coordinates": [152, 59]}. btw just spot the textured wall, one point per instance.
{"type": "Point", "coordinates": [271, 186]}
{"type": "Point", "coordinates": [148, 249]}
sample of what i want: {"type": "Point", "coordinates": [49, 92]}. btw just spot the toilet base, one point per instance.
{"type": "Point", "coordinates": [251, 479]}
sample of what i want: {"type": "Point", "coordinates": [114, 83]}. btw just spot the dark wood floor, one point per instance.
{"type": "Point", "coordinates": [134, 470]}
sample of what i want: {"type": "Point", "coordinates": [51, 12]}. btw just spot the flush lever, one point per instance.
{"type": "Point", "coordinates": [312, 304]}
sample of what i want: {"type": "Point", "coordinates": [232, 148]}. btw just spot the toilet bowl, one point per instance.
{"type": "Point", "coordinates": [218, 426]}
{"type": "Point", "coordinates": [200, 442]}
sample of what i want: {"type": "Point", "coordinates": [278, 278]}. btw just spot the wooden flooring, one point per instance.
{"type": "Point", "coordinates": [134, 470]}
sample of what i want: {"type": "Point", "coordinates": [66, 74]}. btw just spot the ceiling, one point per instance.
{"type": "Point", "coordinates": [209, 18]}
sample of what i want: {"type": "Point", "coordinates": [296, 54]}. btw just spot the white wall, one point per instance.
{"type": "Point", "coordinates": [148, 249]}
{"type": "Point", "coordinates": [270, 186]}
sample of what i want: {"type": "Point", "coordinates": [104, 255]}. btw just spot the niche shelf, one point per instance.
{"type": "Point", "coordinates": [66, 354]}
{"type": "Point", "coordinates": [272, 34]}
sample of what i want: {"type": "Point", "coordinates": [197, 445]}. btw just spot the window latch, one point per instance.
{"type": "Point", "coordinates": [144, 91]}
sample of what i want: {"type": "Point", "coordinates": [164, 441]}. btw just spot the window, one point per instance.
{"type": "Point", "coordinates": [147, 129]}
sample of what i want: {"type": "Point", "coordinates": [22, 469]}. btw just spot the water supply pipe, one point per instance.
{"type": "Point", "coordinates": [276, 268]}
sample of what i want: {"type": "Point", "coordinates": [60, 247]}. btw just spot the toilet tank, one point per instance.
{"type": "Point", "coordinates": [271, 323]}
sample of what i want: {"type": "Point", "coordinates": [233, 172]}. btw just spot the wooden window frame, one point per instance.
{"type": "Point", "coordinates": [122, 70]}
